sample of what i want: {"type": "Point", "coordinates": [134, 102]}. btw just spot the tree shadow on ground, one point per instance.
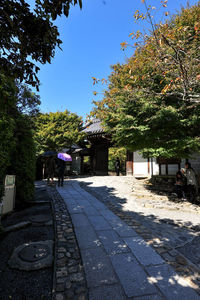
{"type": "Point", "coordinates": [177, 243]}
{"type": "Point", "coordinates": [165, 189]}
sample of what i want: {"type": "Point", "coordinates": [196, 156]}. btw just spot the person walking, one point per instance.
{"type": "Point", "coordinates": [117, 166]}
{"type": "Point", "coordinates": [191, 182]}
{"type": "Point", "coordinates": [50, 168]}
{"type": "Point", "coordinates": [61, 171]}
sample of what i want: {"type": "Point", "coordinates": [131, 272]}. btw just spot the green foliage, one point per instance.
{"type": "Point", "coordinates": [29, 35]}
{"type": "Point", "coordinates": [153, 101]}
{"type": "Point", "coordinates": [23, 160]}
{"type": "Point", "coordinates": [115, 152]}
{"type": "Point", "coordinates": [55, 131]}
{"type": "Point", "coordinates": [17, 153]}
{"type": "Point", "coordinates": [7, 144]}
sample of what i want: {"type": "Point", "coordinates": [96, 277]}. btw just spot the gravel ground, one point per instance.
{"type": "Point", "coordinates": [131, 196]}
{"type": "Point", "coordinates": [16, 284]}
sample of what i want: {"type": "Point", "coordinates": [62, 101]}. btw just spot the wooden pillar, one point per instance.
{"type": "Point", "coordinates": [129, 163]}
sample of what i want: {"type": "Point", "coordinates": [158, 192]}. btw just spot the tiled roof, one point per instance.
{"type": "Point", "coordinates": [94, 127]}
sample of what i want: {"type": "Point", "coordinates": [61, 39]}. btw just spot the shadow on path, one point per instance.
{"type": "Point", "coordinates": [177, 244]}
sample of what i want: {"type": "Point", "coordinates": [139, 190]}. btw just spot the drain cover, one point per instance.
{"type": "Point", "coordinates": [34, 253]}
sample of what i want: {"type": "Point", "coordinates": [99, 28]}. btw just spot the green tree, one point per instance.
{"type": "Point", "coordinates": [17, 108]}
{"type": "Point", "coordinates": [114, 153]}
{"type": "Point", "coordinates": [28, 36]}
{"type": "Point", "coordinates": [55, 131]}
{"type": "Point", "coordinates": [153, 101]}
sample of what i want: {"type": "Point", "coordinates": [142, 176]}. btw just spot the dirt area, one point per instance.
{"type": "Point", "coordinates": [28, 285]}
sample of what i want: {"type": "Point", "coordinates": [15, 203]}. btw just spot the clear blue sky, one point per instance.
{"type": "Point", "coordinates": [91, 44]}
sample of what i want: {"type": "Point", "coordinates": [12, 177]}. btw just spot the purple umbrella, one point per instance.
{"type": "Point", "coordinates": [64, 156]}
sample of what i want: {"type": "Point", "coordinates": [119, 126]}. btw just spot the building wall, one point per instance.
{"type": "Point", "coordinates": [142, 167]}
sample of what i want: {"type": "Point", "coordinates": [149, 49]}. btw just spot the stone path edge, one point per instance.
{"type": "Point", "coordinates": [68, 283]}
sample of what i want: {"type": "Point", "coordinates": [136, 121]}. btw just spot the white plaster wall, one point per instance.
{"type": "Point", "coordinates": [155, 167]}
{"type": "Point", "coordinates": [140, 165]}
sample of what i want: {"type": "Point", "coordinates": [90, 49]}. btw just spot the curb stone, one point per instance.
{"type": "Point", "coordinates": [69, 280]}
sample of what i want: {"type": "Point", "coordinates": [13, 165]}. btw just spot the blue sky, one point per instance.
{"type": "Point", "coordinates": [91, 44]}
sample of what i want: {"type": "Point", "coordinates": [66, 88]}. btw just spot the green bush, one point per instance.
{"type": "Point", "coordinates": [17, 150]}
{"type": "Point", "coordinates": [23, 160]}
{"type": "Point", "coordinates": [7, 144]}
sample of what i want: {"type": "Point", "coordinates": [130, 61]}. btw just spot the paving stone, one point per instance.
{"type": "Point", "coordinates": [149, 297]}
{"type": "Point", "coordinates": [76, 277]}
{"type": "Point", "coordinates": [74, 208]}
{"type": "Point", "coordinates": [109, 215]}
{"type": "Point", "coordinates": [68, 284]}
{"type": "Point", "coordinates": [170, 283]}
{"type": "Point", "coordinates": [86, 237]}
{"type": "Point", "coordinates": [99, 223]}
{"type": "Point", "coordinates": [181, 260]}
{"type": "Point", "coordinates": [143, 252]}
{"type": "Point", "coordinates": [112, 242]}
{"type": "Point", "coordinates": [98, 268]}
{"type": "Point", "coordinates": [108, 292]}
{"type": "Point", "coordinates": [59, 297]}
{"type": "Point", "coordinates": [124, 230]}
{"type": "Point", "coordinates": [167, 257]}
{"type": "Point", "coordinates": [91, 211]}
{"type": "Point", "coordinates": [192, 250]}
{"type": "Point", "coordinates": [131, 275]}
{"type": "Point", "coordinates": [97, 204]}
{"type": "Point", "coordinates": [83, 203]}
{"type": "Point", "coordinates": [80, 220]}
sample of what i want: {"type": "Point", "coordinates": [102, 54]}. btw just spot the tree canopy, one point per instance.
{"type": "Point", "coordinates": [28, 36]}
{"type": "Point", "coordinates": [54, 131]}
{"type": "Point", "coordinates": [153, 101]}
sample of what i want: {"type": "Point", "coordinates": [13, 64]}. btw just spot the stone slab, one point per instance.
{"type": "Point", "coordinates": [112, 242]}
{"type": "Point", "coordinates": [109, 215]}
{"type": "Point", "coordinates": [150, 297]}
{"type": "Point", "coordinates": [74, 208]}
{"type": "Point", "coordinates": [87, 237]}
{"type": "Point", "coordinates": [143, 252]}
{"type": "Point", "coordinates": [170, 283]}
{"type": "Point", "coordinates": [80, 220]}
{"type": "Point", "coordinates": [99, 223]}
{"type": "Point", "coordinates": [91, 211]}
{"type": "Point", "coordinates": [83, 203]}
{"type": "Point", "coordinates": [98, 268]}
{"type": "Point", "coordinates": [97, 204]}
{"type": "Point", "coordinates": [107, 292]}
{"type": "Point", "coordinates": [192, 250]}
{"type": "Point", "coordinates": [122, 229]}
{"type": "Point", "coordinates": [131, 275]}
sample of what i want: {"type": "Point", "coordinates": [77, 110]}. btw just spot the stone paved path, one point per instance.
{"type": "Point", "coordinates": [118, 262]}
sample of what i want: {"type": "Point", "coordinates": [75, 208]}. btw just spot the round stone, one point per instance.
{"type": "Point", "coordinates": [34, 253]}
{"type": "Point", "coordinates": [32, 256]}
